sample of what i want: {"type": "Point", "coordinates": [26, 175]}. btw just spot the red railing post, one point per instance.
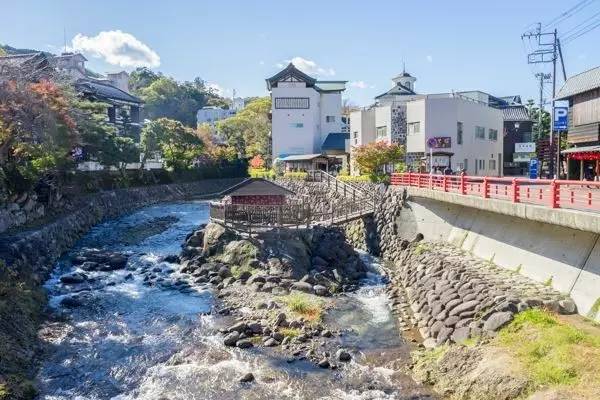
{"type": "Point", "coordinates": [445, 183]}
{"type": "Point", "coordinates": [553, 194]}
{"type": "Point", "coordinates": [486, 186]}
{"type": "Point", "coordinates": [409, 179]}
{"type": "Point", "coordinates": [430, 181]}
{"type": "Point", "coordinates": [515, 190]}
{"type": "Point", "coordinates": [463, 185]}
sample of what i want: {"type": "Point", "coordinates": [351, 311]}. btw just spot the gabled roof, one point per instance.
{"type": "Point", "coordinates": [398, 90]}
{"type": "Point", "coordinates": [105, 92]}
{"type": "Point", "coordinates": [302, 157]}
{"type": "Point", "coordinates": [335, 141]}
{"type": "Point", "coordinates": [257, 187]}
{"type": "Point", "coordinates": [290, 72]}
{"type": "Point", "coordinates": [515, 113]}
{"type": "Point", "coordinates": [580, 83]}
{"type": "Point", "coordinates": [31, 64]}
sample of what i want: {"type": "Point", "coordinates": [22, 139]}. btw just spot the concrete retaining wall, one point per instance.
{"type": "Point", "coordinates": [566, 258]}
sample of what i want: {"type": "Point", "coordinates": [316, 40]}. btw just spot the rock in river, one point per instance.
{"type": "Point", "coordinates": [231, 339]}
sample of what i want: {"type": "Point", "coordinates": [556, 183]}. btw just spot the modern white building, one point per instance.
{"type": "Point", "coordinates": [305, 114]}
{"type": "Point", "coordinates": [211, 114]}
{"type": "Point", "coordinates": [451, 130]}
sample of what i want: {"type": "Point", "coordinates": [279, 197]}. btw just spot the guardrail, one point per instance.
{"type": "Point", "coordinates": [552, 193]}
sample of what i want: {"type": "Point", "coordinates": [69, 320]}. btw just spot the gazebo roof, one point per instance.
{"type": "Point", "coordinates": [257, 187]}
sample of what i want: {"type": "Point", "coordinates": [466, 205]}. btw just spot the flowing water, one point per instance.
{"type": "Point", "coordinates": [128, 340]}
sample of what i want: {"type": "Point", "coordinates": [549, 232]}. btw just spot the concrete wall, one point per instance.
{"type": "Point", "coordinates": [566, 258]}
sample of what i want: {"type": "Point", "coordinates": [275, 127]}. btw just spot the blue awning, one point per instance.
{"type": "Point", "coordinates": [335, 141]}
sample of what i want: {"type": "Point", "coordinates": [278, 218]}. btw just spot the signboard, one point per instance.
{"type": "Point", "coordinates": [533, 168]}
{"type": "Point", "coordinates": [523, 157]}
{"type": "Point", "coordinates": [439, 142]}
{"type": "Point", "coordinates": [439, 161]}
{"type": "Point", "coordinates": [561, 118]}
{"type": "Point", "coordinates": [528, 147]}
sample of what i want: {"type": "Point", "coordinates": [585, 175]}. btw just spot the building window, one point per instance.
{"type": "Point", "coordinates": [296, 125]}
{"type": "Point", "coordinates": [355, 137]}
{"type": "Point", "coordinates": [466, 164]}
{"type": "Point", "coordinates": [414, 127]}
{"type": "Point", "coordinates": [459, 132]}
{"type": "Point", "coordinates": [479, 132]}
{"type": "Point", "coordinates": [481, 165]}
{"type": "Point", "coordinates": [493, 134]}
{"type": "Point", "coordinates": [292, 102]}
{"type": "Point", "coordinates": [492, 165]}
{"type": "Point", "coordinates": [329, 118]}
{"type": "Point", "coordinates": [381, 132]}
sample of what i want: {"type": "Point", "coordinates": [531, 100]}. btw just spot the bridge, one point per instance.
{"type": "Point", "coordinates": [347, 203]}
{"type": "Point", "coordinates": [548, 230]}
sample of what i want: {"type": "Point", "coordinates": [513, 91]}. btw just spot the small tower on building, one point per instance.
{"type": "Point", "coordinates": [405, 79]}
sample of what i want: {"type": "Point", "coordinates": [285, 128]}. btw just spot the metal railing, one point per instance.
{"type": "Point", "coordinates": [345, 189]}
{"type": "Point", "coordinates": [552, 193]}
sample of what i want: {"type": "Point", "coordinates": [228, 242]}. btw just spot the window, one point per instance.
{"type": "Point", "coordinates": [414, 127]}
{"type": "Point", "coordinates": [355, 137]}
{"type": "Point", "coordinates": [296, 125]}
{"type": "Point", "coordinates": [381, 132]}
{"type": "Point", "coordinates": [466, 164]}
{"type": "Point", "coordinates": [330, 118]}
{"type": "Point", "coordinates": [493, 134]}
{"type": "Point", "coordinates": [459, 132]}
{"type": "Point", "coordinates": [492, 165]}
{"type": "Point", "coordinates": [292, 102]}
{"type": "Point", "coordinates": [479, 132]}
{"type": "Point", "coordinates": [481, 164]}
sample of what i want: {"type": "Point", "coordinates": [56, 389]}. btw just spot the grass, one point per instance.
{"type": "Point", "coordinates": [290, 332]}
{"type": "Point", "coordinates": [304, 306]}
{"type": "Point", "coordinates": [553, 353]}
{"type": "Point", "coordinates": [593, 313]}
{"type": "Point", "coordinates": [421, 248]}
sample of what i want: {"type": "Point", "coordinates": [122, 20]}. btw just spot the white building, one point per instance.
{"type": "Point", "coordinates": [305, 112]}
{"type": "Point", "coordinates": [450, 130]}
{"type": "Point", "coordinates": [212, 114]}
{"type": "Point", "coordinates": [237, 104]}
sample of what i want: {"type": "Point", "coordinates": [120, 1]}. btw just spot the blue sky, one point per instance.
{"type": "Point", "coordinates": [447, 45]}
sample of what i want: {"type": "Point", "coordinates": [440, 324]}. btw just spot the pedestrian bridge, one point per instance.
{"type": "Point", "coordinates": [548, 230]}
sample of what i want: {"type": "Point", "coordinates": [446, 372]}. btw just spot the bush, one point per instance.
{"type": "Point", "coordinates": [350, 178]}
{"type": "Point", "coordinates": [301, 176]}
{"type": "Point", "coordinates": [261, 173]}
{"type": "Point", "coordinates": [305, 306]}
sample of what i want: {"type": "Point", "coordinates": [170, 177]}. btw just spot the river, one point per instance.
{"type": "Point", "coordinates": [127, 340]}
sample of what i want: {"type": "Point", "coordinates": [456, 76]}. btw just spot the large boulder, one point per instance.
{"type": "Point", "coordinates": [216, 237]}
{"type": "Point", "coordinates": [239, 252]}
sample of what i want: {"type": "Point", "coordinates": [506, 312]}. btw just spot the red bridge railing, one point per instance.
{"type": "Point", "coordinates": [575, 195]}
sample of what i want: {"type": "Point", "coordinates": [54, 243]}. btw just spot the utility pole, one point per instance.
{"type": "Point", "coordinates": [543, 78]}
{"type": "Point", "coordinates": [548, 52]}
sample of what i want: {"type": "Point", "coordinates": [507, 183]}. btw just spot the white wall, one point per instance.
{"type": "Point", "coordinates": [288, 139]}
{"type": "Point", "coordinates": [383, 117]}
{"type": "Point", "coordinates": [331, 104]}
{"type": "Point", "coordinates": [439, 116]}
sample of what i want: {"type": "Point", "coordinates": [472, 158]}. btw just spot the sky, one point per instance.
{"type": "Point", "coordinates": [448, 45]}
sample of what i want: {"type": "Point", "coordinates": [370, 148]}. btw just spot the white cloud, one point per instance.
{"type": "Point", "coordinates": [308, 66]}
{"type": "Point", "coordinates": [429, 58]}
{"type": "Point", "coordinates": [361, 85]}
{"type": "Point", "coordinates": [218, 89]}
{"type": "Point", "coordinates": [117, 48]}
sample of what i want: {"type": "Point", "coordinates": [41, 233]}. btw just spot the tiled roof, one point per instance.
{"type": "Point", "coordinates": [398, 90]}
{"type": "Point", "coordinates": [104, 91]}
{"type": "Point", "coordinates": [583, 82]}
{"type": "Point", "coordinates": [515, 113]}
{"type": "Point", "coordinates": [302, 157]}
{"type": "Point", "coordinates": [257, 187]}
{"type": "Point", "coordinates": [330, 86]}
{"type": "Point", "coordinates": [335, 141]}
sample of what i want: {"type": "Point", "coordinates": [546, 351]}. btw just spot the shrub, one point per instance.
{"type": "Point", "coordinates": [305, 306]}
{"type": "Point", "coordinates": [261, 173]}
{"type": "Point", "coordinates": [301, 176]}
{"type": "Point", "coordinates": [350, 178]}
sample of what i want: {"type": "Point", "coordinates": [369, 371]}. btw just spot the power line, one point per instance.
{"type": "Point", "coordinates": [579, 25]}
{"type": "Point", "coordinates": [588, 28]}
{"type": "Point", "coordinates": [568, 14]}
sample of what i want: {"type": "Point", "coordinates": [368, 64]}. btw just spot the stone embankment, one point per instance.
{"type": "Point", "coordinates": [276, 285]}
{"type": "Point", "coordinates": [451, 296]}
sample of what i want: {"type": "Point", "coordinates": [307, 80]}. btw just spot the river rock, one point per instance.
{"type": "Point", "coordinates": [461, 334]}
{"type": "Point", "coordinates": [497, 321]}
{"type": "Point", "coordinates": [321, 290]}
{"type": "Point", "coordinates": [324, 363]}
{"type": "Point", "coordinates": [302, 286]}
{"type": "Point", "coordinates": [468, 306]}
{"type": "Point", "coordinates": [231, 339]}
{"type": "Point", "coordinates": [343, 355]}
{"type": "Point", "coordinates": [249, 377]}
{"type": "Point", "coordinates": [73, 278]}
{"type": "Point", "coordinates": [270, 342]}
{"type": "Point", "coordinates": [71, 302]}
{"type": "Point", "coordinates": [244, 344]}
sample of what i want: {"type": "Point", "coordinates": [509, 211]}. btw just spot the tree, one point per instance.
{"type": "Point", "coordinates": [257, 162]}
{"type": "Point", "coordinates": [348, 106]}
{"type": "Point", "coordinates": [142, 77]}
{"type": "Point", "coordinates": [371, 157]}
{"type": "Point", "coordinates": [249, 130]}
{"type": "Point", "coordinates": [214, 150]}
{"type": "Point", "coordinates": [534, 114]}
{"type": "Point", "coordinates": [178, 144]}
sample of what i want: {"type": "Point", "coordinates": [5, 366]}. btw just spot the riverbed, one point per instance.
{"type": "Point", "coordinates": [131, 340]}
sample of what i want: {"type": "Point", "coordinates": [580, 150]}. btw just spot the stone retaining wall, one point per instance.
{"type": "Point", "coordinates": [39, 248]}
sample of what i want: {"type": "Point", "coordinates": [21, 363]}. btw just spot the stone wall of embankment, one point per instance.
{"type": "Point", "coordinates": [27, 258]}
{"type": "Point", "coordinates": [560, 257]}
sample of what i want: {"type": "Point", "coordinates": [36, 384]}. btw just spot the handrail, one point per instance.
{"type": "Point", "coordinates": [552, 193]}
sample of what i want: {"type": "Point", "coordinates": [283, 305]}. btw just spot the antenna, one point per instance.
{"type": "Point", "coordinates": [65, 38]}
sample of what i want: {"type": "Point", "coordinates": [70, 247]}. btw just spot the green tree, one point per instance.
{"type": "Point", "coordinates": [371, 157]}
{"type": "Point", "coordinates": [249, 130]}
{"type": "Point", "coordinates": [178, 144]}
{"type": "Point", "coordinates": [534, 114]}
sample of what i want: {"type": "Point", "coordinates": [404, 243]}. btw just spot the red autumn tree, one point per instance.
{"type": "Point", "coordinates": [257, 162]}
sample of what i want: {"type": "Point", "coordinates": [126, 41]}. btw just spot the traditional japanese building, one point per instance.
{"type": "Point", "coordinates": [257, 191]}
{"type": "Point", "coordinates": [582, 91]}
